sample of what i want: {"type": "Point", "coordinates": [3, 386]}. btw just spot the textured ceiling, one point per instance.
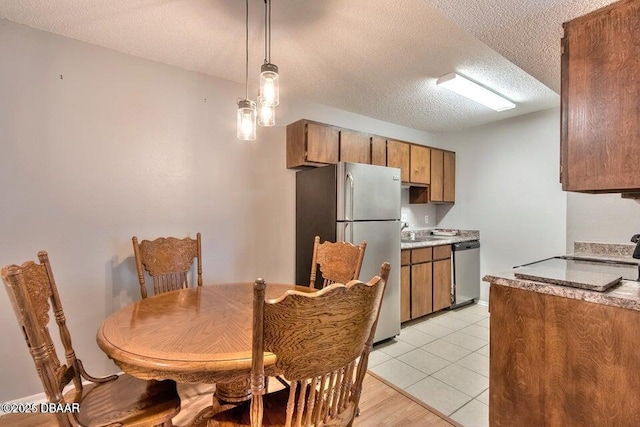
{"type": "Point", "coordinates": [378, 58]}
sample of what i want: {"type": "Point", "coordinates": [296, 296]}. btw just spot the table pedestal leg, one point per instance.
{"type": "Point", "coordinates": [234, 392]}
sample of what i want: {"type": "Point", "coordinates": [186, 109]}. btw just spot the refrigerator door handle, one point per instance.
{"type": "Point", "coordinates": [349, 177]}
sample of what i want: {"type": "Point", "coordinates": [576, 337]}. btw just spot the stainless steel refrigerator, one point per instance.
{"type": "Point", "coordinates": [353, 202]}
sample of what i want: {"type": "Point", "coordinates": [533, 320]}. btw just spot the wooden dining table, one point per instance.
{"type": "Point", "coordinates": [195, 335]}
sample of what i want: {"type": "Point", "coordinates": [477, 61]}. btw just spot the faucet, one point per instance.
{"type": "Point", "coordinates": [406, 225]}
{"type": "Point", "coordinates": [636, 239]}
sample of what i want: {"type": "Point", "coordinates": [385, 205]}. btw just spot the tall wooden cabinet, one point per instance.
{"type": "Point", "coordinates": [600, 122]}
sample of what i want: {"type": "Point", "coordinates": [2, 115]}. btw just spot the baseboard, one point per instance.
{"type": "Point", "coordinates": [35, 398]}
{"type": "Point", "coordinates": [483, 302]}
{"type": "Point", "coordinates": [40, 397]}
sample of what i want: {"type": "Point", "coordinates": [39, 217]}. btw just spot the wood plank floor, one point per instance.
{"type": "Point", "coordinates": [380, 405]}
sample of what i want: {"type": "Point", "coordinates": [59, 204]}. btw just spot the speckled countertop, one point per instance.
{"type": "Point", "coordinates": [620, 252]}
{"type": "Point", "coordinates": [626, 294]}
{"type": "Point", "coordinates": [463, 236]}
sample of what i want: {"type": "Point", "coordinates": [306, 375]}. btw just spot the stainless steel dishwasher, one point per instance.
{"type": "Point", "coordinates": [465, 287]}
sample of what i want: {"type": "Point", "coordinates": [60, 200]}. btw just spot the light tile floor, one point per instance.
{"type": "Point", "coordinates": [443, 360]}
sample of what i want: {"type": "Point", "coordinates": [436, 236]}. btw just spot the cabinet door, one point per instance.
{"type": "Point", "coordinates": [420, 165]}
{"type": "Point", "coordinates": [398, 157]}
{"type": "Point", "coordinates": [449, 177]}
{"type": "Point", "coordinates": [600, 130]}
{"type": "Point", "coordinates": [355, 147]}
{"type": "Point", "coordinates": [378, 151]}
{"type": "Point", "coordinates": [421, 293]}
{"type": "Point", "coordinates": [441, 284]}
{"type": "Point", "coordinates": [322, 144]}
{"type": "Point", "coordinates": [405, 293]}
{"type": "Point", "coordinates": [437, 176]}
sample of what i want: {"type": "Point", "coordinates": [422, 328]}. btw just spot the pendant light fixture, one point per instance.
{"type": "Point", "coordinates": [269, 81]}
{"type": "Point", "coordinates": [246, 119]}
{"type": "Point", "coordinates": [266, 113]}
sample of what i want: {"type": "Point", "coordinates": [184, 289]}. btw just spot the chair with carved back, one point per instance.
{"type": "Point", "coordinates": [168, 261]}
{"type": "Point", "coordinates": [338, 262]}
{"type": "Point", "coordinates": [111, 401]}
{"type": "Point", "coordinates": [324, 360]}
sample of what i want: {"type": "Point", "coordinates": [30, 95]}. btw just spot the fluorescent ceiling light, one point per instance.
{"type": "Point", "coordinates": [472, 90]}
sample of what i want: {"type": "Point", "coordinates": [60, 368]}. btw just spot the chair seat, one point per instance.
{"type": "Point", "coordinates": [274, 414]}
{"type": "Point", "coordinates": [129, 401]}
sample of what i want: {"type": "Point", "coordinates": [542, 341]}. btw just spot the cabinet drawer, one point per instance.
{"type": "Point", "coordinates": [442, 252]}
{"type": "Point", "coordinates": [421, 255]}
{"type": "Point", "coordinates": [405, 257]}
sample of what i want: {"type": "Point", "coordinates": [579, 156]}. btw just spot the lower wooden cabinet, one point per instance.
{"type": "Point", "coordinates": [425, 278]}
{"type": "Point", "coordinates": [558, 361]}
{"type": "Point", "coordinates": [405, 293]}
{"type": "Point", "coordinates": [421, 289]}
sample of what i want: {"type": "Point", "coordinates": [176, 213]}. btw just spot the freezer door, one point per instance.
{"type": "Point", "coordinates": [367, 192]}
{"type": "Point", "coordinates": [383, 244]}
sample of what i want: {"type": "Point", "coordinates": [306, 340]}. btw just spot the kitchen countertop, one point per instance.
{"type": "Point", "coordinates": [605, 251]}
{"type": "Point", "coordinates": [463, 236]}
{"type": "Point", "coordinates": [626, 294]}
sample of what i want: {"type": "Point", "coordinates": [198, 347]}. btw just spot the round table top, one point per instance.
{"type": "Point", "coordinates": [195, 330]}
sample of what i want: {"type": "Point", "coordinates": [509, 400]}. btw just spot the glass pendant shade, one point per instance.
{"type": "Point", "coordinates": [266, 114]}
{"type": "Point", "coordinates": [246, 125]}
{"type": "Point", "coordinates": [269, 84]}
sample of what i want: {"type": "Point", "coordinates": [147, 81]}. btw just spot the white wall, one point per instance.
{"type": "Point", "coordinates": [416, 212]}
{"type": "Point", "coordinates": [121, 146]}
{"type": "Point", "coordinates": [507, 187]}
{"type": "Point", "coordinates": [601, 218]}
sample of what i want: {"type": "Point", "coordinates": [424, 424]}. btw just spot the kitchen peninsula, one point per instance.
{"type": "Point", "coordinates": [562, 355]}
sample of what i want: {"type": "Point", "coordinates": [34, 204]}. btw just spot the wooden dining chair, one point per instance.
{"type": "Point", "coordinates": [324, 360]}
{"type": "Point", "coordinates": [111, 401]}
{"type": "Point", "coordinates": [338, 262]}
{"type": "Point", "coordinates": [168, 261]}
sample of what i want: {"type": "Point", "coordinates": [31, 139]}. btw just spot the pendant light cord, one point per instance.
{"type": "Point", "coordinates": [269, 57]}
{"type": "Point", "coordinates": [246, 69]}
{"type": "Point", "coordinates": [267, 31]}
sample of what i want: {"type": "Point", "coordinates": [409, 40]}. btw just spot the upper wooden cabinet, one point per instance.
{"type": "Point", "coordinates": [398, 157]}
{"type": "Point", "coordinates": [355, 146]}
{"type": "Point", "coordinates": [449, 177]}
{"type": "Point", "coordinates": [311, 144]}
{"type": "Point", "coordinates": [420, 161]}
{"type": "Point", "coordinates": [437, 175]}
{"type": "Point", "coordinates": [600, 132]}
{"type": "Point", "coordinates": [378, 151]}
{"type": "Point", "coordinates": [429, 172]}
{"type": "Point", "coordinates": [443, 175]}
